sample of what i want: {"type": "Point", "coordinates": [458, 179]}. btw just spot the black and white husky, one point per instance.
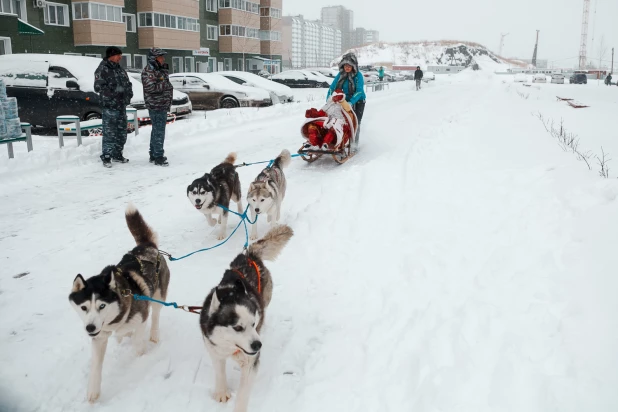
{"type": "Point", "coordinates": [105, 302]}
{"type": "Point", "coordinates": [267, 191]}
{"type": "Point", "coordinates": [233, 314]}
{"type": "Point", "coordinates": [217, 188]}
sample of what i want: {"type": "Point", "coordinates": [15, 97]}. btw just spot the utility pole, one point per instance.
{"type": "Point", "coordinates": [536, 45]}
{"type": "Point", "coordinates": [502, 36]}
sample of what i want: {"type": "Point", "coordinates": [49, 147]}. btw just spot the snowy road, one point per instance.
{"type": "Point", "coordinates": [460, 262]}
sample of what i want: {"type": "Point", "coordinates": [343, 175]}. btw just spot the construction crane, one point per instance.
{"type": "Point", "coordinates": [536, 46]}
{"type": "Point", "coordinates": [584, 39]}
{"type": "Point", "coordinates": [502, 36]}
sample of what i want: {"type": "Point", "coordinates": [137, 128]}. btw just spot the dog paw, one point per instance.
{"type": "Point", "coordinates": [222, 396]}
{"type": "Point", "coordinates": [221, 236]}
{"type": "Point", "coordinates": [154, 336]}
{"type": "Point", "coordinates": [93, 396]}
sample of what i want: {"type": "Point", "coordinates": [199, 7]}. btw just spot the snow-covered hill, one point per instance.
{"type": "Point", "coordinates": [445, 52]}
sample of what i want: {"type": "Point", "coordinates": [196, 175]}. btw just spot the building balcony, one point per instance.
{"type": "Point", "coordinates": [239, 18]}
{"type": "Point", "coordinates": [168, 38]}
{"type": "Point", "coordinates": [269, 47]}
{"type": "Point", "coordinates": [233, 44]}
{"type": "Point", "coordinates": [186, 8]}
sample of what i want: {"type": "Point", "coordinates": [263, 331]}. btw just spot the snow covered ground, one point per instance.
{"type": "Point", "coordinates": [460, 262]}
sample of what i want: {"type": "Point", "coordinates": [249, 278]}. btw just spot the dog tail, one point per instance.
{"type": "Point", "coordinates": [142, 233]}
{"type": "Point", "coordinates": [284, 159]}
{"type": "Point", "coordinates": [231, 158]}
{"type": "Point", "coordinates": [269, 247]}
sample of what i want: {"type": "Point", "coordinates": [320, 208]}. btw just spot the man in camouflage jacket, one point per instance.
{"type": "Point", "coordinates": [114, 87]}
{"type": "Point", "coordinates": [158, 92]}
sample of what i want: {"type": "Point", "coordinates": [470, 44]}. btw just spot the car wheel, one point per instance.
{"type": "Point", "coordinates": [229, 103]}
{"type": "Point", "coordinates": [93, 132]}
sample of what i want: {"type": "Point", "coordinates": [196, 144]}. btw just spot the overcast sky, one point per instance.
{"type": "Point", "coordinates": [482, 21]}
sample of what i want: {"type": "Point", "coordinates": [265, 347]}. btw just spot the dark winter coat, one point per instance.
{"type": "Point", "coordinates": [158, 91]}
{"type": "Point", "coordinates": [113, 85]}
{"type": "Point", "coordinates": [418, 74]}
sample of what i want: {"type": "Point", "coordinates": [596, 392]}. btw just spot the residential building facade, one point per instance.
{"type": "Point", "coordinates": [361, 37]}
{"type": "Point", "coordinates": [309, 43]}
{"type": "Point", "coordinates": [204, 35]}
{"type": "Point", "coordinates": [342, 19]}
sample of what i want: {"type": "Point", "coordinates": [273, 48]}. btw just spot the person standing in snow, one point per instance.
{"type": "Point", "coordinates": [418, 76]}
{"type": "Point", "coordinates": [608, 80]}
{"type": "Point", "coordinates": [381, 73]}
{"type": "Point", "coordinates": [112, 83]}
{"type": "Point", "coordinates": [158, 93]}
{"type": "Point", "coordinates": [351, 81]}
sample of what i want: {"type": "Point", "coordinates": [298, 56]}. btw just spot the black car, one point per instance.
{"type": "Point", "coordinates": [299, 79]}
{"type": "Point", "coordinates": [578, 78]}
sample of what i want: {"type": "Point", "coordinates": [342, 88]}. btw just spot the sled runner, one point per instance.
{"type": "Point", "coordinates": [332, 130]}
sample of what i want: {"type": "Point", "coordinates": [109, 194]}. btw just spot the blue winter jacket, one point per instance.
{"type": "Point", "coordinates": [360, 89]}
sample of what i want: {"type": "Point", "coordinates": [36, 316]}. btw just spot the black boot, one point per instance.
{"type": "Point", "coordinates": [161, 161]}
{"type": "Point", "coordinates": [107, 160]}
{"type": "Point", "coordinates": [119, 159]}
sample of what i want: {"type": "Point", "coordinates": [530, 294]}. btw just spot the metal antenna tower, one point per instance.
{"type": "Point", "coordinates": [584, 38]}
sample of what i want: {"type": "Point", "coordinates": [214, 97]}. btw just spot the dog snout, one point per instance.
{"type": "Point", "coordinates": [90, 328]}
{"type": "Point", "coordinates": [257, 210]}
{"type": "Point", "coordinates": [256, 345]}
{"type": "Point", "coordinates": [198, 201]}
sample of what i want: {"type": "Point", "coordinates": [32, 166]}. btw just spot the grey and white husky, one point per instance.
{"type": "Point", "coordinates": [233, 314]}
{"type": "Point", "coordinates": [267, 191]}
{"type": "Point", "coordinates": [217, 188]}
{"type": "Point", "coordinates": [105, 302]}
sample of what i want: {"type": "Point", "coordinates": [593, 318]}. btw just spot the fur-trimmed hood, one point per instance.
{"type": "Point", "coordinates": [349, 58]}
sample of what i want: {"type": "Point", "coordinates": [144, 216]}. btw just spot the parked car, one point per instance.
{"type": "Point", "coordinates": [578, 78]}
{"type": "Point", "coordinates": [429, 76]}
{"type": "Point", "coordinates": [279, 93]}
{"type": "Point", "coordinates": [328, 72]}
{"type": "Point", "coordinates": [370, 77]}
{"type": "Point", "coordinates": [520, 78]}
{"type": "Point", "coordinates": [300, 79]}
{"type": "Point", "coordinates": [210, 91]}
{"type": "Point", "coordinates": [557, 78]}
{"type": "Point", "coordinates": [181, 104]}
{"type": "Point", "coordinates": [395, 76]}
{"type": "Point", "coordinates": [51, 85]}
{"type": "Point", "coordinates": [539, 78]}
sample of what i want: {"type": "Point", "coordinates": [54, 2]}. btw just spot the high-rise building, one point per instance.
{"type": "Point", "coordinates": [309, 43]}
{"type": "Point", "coordinates": [204, 35]}
{"type": "Point", "coordinates": [343, 19]}
{"type": "Point", "coordinates": [361, 37]}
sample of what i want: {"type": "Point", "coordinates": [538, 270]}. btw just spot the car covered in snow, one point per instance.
{"type": "Point", "coordinates": [326, 71]}
{"type": "Point", "coordinates": [210, 91]}
{"type": "Point", "coordinates": [51, 85]}
{"type": "Point", "coordinates": [539, 78]}
{"type": "Point", "coordinates": [428, 76]}
{"type": "Point", "coordinates": [557, 78]}
{"type": "Point", "coordinates": [279, 93]}
{"type": "Point", "coordinates": [301, 79]}
{"type": "Point", "coordinates": [520, 78]}
{"type": "Point", "coordinates": [394, 76]}
{"type": "Point", "coordinates": [181, 104]}
{"type": "Point", "coordinates": [370, 77]}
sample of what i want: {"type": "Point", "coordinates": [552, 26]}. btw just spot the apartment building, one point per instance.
{"type": "Point", "coordinates": [362, 36]}
{"type": "Point", "coordinates": [342, 19]}
{"type": "Point", "coordinates": [204, 35]}
{"type": "Point", "coordinates": [309, 43]}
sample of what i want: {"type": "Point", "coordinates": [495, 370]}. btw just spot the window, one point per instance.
{"type": "Point", "coordinates": [97, 11]}
{"type": "Point", "coordinates": [270, 35]}
{"type": "Point", "coordinates": [98, 56]}
{"type": "Point", "coordinates": [139, 61]}
{"type": "Point", "coordinates": [168, 21]}
{"type": "Point", "coordinates": [177, 65]}
{"type": "Point", "coordinates": [270, 12]}
{"type": "Point", "coordinates": [212, 64]}
{"type": "Point", "coordinates": [125, 61]}
{"type": "Point", "coordinates": [244, 5]}
{"type": "Point", "coordinates": [72, 54]}
{"type": "Point", "coordinates": [211, 5]}
{"type": "Point", "coordinates": [189, 64]}
{"type": "Point", "coordinates": [227, 62]}
{"type": "Point", "coordinates": [129, 20]}
{"type": "Point", "coordinates": [5, 45]}
{"type": "Point", "coordinates": [55, 14]}
{"type": "Point", "coordinates": [211, 32]}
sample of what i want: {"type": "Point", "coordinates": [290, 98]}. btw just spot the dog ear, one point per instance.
{"type": "Point", "coordinates": [214, 303]}
{"type": "Point", "coordinates": [239, 287]}
{"type": "Point", "coordinates": [109, 278]}
{"type": "Point", "coordinates": [79, 283]}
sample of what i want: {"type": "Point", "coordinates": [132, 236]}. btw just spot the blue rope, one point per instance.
{"type": "Point", "coordinates": [243, 220]}
{"type": "Point", "coordinates": [142, 297]}
{"type": "Point", "coordinates": [270, 162]}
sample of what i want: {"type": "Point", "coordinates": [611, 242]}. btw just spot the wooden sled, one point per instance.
{"type": "Point", "coordinates": [564, 99]}
{"type": "Point", "coordinates": [577, 105]}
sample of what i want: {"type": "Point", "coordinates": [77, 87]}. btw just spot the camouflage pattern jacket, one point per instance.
{"type": "Point", "coordinates": [158, 90]}
{"type": "Point", "coordinates": [113, 85]}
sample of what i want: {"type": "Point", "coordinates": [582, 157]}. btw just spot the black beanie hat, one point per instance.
{"type": "Point", "coordinates": [112, 51]}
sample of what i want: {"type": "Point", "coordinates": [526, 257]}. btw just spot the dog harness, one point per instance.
{"type": "Point", "coordinates": [257, 272]}
{"type": "Point", "coordinates": [270, 173]}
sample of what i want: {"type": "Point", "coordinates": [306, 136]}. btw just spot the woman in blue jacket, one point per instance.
{"type": "Point", "coordinates": [351, 81]}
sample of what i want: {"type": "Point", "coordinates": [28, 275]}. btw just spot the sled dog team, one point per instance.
{"type": "Point", "coordinates": [233, 311]}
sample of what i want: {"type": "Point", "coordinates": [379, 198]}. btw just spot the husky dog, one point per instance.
{"type": "Point", "coordinates": [105, 302]}
{"type": "Point", "coordinates": [217, 188]}
{"type": "Point", "coordinates": [267, 191]}
{"type": "Point", "coordinates": [233, 314]}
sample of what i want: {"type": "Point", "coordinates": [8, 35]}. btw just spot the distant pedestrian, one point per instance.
{"type": "Point", "coordinates": [113, 85]}
{"type": "Point", "coordinates": [608, 80]}
{"type": "Point", "coordinates": [418, 76]}
{"type": "Point", "coordinates": [381, 73]}
{"type": "Point", "coordinates": [158, 93]}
